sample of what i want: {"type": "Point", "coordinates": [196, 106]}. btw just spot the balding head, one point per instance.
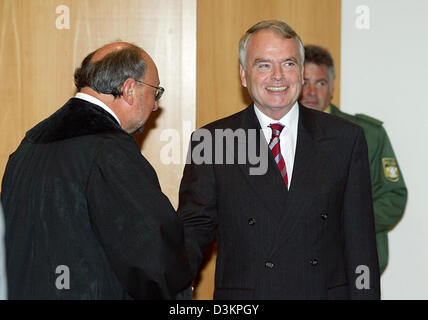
{"type": "Point", "coordinates": [100, 53]}
{"type": "Point", "coordinates": [123, 77]}
{"type": "Point", "coordinates": [106, 69]}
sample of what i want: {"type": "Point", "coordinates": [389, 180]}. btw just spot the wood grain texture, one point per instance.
{"type": "Point", "coordinates": [221, 23]}
{"type": "Point", "coordinates": [37, 62]}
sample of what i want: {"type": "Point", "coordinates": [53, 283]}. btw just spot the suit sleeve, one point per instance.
{"type": "Point", "coordinates": [197, 206]}
{"type": "Point", "coordinates": [136, 225]}
{"type": "Point", "coordinates": [3, 280]}
{"type": "Point", "coordinates": [389, 191]}
{"type": "Point", "coordinates": [359, 230]}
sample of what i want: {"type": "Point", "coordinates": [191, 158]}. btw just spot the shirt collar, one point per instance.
{"type": "Point", "coordinates": [287, 120]}
{"type": "Point", "coordinates": [96, 101]}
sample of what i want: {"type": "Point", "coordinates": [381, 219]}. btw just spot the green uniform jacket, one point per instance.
{"type": "Point", "coordinates": [389, 191]}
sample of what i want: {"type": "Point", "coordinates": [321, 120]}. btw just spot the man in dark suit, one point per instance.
{"type": "Point", "coordinates": [389, 191]}
{"type": "Point", "coordinates": [85, 214]}
{"type": "Point", "coordinates": [302, 230]}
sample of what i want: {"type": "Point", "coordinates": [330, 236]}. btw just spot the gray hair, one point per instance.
{"type": "Point", "coordinates": [279, 27]}
{"type": "Point", "coordinates": [108, 74]}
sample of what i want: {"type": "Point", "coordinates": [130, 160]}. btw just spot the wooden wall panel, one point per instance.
{"type": "Point", "coordinates": [37, 62]}
{"type": "Point", "coordinates": [221, 23]}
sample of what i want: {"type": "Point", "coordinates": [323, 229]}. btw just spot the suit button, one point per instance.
{"type": "Point", "coordinates": [314, 262]}
{"type": "Point", "coordinates": [324, 215]}
{"type": "Point", "coordinates": [251, 221]}
{"type": "Point", "coordinates": [269, 264]}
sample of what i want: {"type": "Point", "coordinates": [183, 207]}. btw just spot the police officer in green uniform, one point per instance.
{"type": "Point", "coordinates": [389, 191]}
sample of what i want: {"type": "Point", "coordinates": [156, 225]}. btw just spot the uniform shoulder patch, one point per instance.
{"type": "Point", "coordinates": [369, 119]}
{"type": "Point", "coordinates": [390, 169]}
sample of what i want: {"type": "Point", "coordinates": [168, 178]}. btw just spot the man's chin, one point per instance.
{"type": "Point", "coordinates": [139, 130]}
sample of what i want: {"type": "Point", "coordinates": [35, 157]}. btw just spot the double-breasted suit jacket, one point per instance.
{"type": "Point", "coordinates": [315, 240]}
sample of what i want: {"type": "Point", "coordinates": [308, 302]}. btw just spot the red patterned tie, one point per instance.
{"type": "Point", "coordinates": [276, 150]}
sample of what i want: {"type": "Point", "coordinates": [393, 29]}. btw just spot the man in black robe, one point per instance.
{"type": "Point", "coordinates": [85, 215]}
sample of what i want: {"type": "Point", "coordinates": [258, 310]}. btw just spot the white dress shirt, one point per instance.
{"type": "Point", "coordinates": [96, 101]}
{"type": "Point", "coordinates": [287, 138]}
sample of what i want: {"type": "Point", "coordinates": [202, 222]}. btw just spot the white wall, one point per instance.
{"type": "Point", "coordinates": [385, 75]}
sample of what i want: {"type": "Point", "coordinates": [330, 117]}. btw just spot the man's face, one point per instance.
{"type": "Point", "coordinates": [145, 102]}
{"type": "Point", "coordinates": [317, 89]}
{"type": "Point", "coordinates": [274, 75]}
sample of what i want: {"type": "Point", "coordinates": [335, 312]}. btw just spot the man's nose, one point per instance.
{"type": "Point", "coordinates": [277, 72]}
{"type": "Point", "coordinates": [156, 106]}
{"type": "Point", "coordinates": [311, 89]}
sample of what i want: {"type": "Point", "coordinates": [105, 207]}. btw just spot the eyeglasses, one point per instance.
{"type": "Point", "coordinates": [159, 90]}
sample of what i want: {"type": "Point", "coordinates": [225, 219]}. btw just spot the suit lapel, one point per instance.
{"type": "Point", "coordinates": [269, 186]}
{"type": "Point", "coordinates": [308, 175]}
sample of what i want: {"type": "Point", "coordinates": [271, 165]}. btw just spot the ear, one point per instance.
{"type": "Point", "coordinates": [128, 90]}
{"type": "Point", "coordinates": [242, 74]}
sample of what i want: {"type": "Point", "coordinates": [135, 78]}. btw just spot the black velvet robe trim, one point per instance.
{"type": "Point", "coordinates": [76, 118]}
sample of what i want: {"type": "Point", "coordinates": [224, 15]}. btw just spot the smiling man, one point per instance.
{"type": "Point", "coordinates": [304, 229]}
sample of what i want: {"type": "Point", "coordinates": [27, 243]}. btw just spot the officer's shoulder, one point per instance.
{"type": "Point", "coordinates": [367, 119]}
{"type": "Point", "coordinates": [333, 122]}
